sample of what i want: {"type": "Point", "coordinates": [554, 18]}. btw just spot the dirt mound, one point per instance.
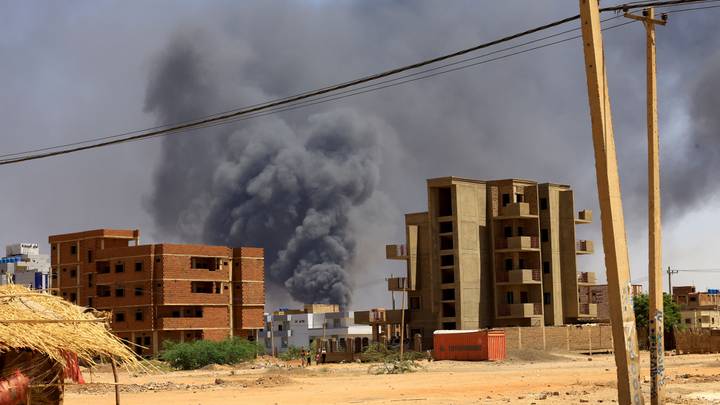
{"type": "Point", "coordinates": [272, 381]}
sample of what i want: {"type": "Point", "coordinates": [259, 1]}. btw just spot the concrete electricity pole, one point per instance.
{"type": "Point", "coordinates": [655, 317]}
{"type": "Point", "coordinates": [622, 317]}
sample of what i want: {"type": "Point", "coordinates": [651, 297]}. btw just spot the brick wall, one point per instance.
{"type": "Point", "coordinates": [560, 338]}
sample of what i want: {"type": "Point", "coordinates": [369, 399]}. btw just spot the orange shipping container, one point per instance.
{"type": "Point", "coordinates": [469, 345]}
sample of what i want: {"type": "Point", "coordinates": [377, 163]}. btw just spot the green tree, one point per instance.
{"type": "Point", "coordinates": [671, 312]}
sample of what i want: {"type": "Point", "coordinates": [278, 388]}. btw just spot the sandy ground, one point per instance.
{"type": "Point", "coordinates": [533, 378]}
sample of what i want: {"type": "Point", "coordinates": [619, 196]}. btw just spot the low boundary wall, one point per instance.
{"type": "Point", "coordinates": [585, 338]}
{"type": "Point", "coordinates": [692, 341]}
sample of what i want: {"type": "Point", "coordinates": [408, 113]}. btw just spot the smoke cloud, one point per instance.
{"type": "Point", "coordinates": [287, 187]}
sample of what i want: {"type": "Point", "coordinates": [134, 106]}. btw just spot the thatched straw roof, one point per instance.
{"type": "Point", "coordinates": [50, 325]}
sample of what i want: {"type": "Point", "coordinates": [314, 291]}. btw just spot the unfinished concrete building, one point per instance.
{"type": "Point", "coordinates": [493, 253]}
{"type": "Point", "coordinates": [698, 309]}
{"type": "Point", "coordinates": [161, 292]}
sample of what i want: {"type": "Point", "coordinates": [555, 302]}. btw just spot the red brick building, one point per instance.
{"type": "Point", "coordinates": [163, 291]}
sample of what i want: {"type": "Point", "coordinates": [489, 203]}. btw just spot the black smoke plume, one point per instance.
{"type": "Point", "coordinates": [287, 187]}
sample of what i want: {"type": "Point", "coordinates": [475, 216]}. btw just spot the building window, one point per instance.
{"type": "Point", "coordinates": [73, 249]}
{"type": "Point", "coordinates": [90, 302]}
{"type": "Point", "coordinates": [446, 227]}
{"type": "Point", "coordinates": [89, 256]}
{"type": "Point", "coordinates": [175, 314]}
{"type": "Point", "coordinates": [414, 302]}
{"type": "Point", "coordinates": [448, 309]}
{"type": "Point", "coordinates": [518, 197]}
{"type": "Point", "coordinates": [138, 266]}
{"type": "Point", "coordinates": [520, 231]}
{"type": "Point", "coordinates": [521, 263]}
{"type": "Point", "coordinates": [507, 231]}
{"type": "Point", "coordinates": [547, 298]}
{"type": "Point", "coordinates": [446, 242]}
{"type": "Point", "coordinates": [139, 291]}
{"type": "Point", "coordinates": [505, 199]}
{"type": "Point", "coordinates": [447, 276]}
{"type": "Point", "coordinates": [448, 325]}
{"type": "Point", "coordinates": [90, 279]}
{"type": "Point", "coordinates": [447, 260]}
{"type": "Point", "coordinates": [508, 264]}
{"type": "Point", "coordinates": [448, 294]}
{"type": "Point", "coordinates": [103, 291]}
{"type": "Point", "coordinates": [204, 287]}
{"type": "Point", "coordinates": [120, 317]}
{"type": "Point", "coordinates": [204, 263]}
{"type": "Point", "coordinates": [147, 341]}
{"type": "Point", "coordinates": [73, 298]}
{"type": "Point", "coordinates": [119, 268]}
{"type": "Point", "coordinates": [509, 297]}
{"type": "Point", "coordinates": [543, 203]}
{"type": "Point", "coordinates": [120, 292]}
{"type": "Point", "coordinates": [73, 273]}
{"type": "Point", "coordinates": [546, 267]}
{"type": "Point", "coordinates": [139, 315]}
{"type": "Point", "coordinates": [102, 267]}
{"type": "Point", "coordinates": [544, 235]}
{"type": "Point", "coordinates": [444, 206]}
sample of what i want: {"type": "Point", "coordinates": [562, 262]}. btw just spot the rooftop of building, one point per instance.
{"type": "Point", "coordinates": [512, 180]}
{"type": "Point", "coordinates": [96, 233]}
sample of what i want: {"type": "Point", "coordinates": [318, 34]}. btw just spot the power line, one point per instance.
{"type": "Point", "coordinates": [257, 108]}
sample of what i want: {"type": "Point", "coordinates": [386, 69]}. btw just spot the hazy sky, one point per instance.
{"type": "Point", "coordinates": [76, 70]}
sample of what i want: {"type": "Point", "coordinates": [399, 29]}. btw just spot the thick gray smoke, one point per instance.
{"type": "Point", "coordinates": [692, 173]}
{"type": "Point", "coordinates": [286, 187]}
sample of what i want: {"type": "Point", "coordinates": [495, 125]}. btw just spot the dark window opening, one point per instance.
{"type": "Point", "coordinates": [509, 298]}
{"type": "Point", "coordinates": [119, 268]}
{"type": "Point", "coordinates": [147, 341]}
{"type": "Point", "coordinates": [523, 297]}
{"type": "Point", "coordinates": [102, 291]}
{"type": "Point", "coordinates": [205, 287]}
{"type": "Point", "coordinates": [448, 325]}
{"type": "Point", "coordinates": [447, 260]}
{"type": "Point", "coordinates": [546, 267]}
{"type": "Point", "coordinates": [521, 263]}
{"type": "Point", "coordinates": [547, 298]}
{"type": "Point", "coordinates": [508, 264]}
{"type": "Point", "coordinates": [73, 249]}
{"type": "Point", "coordinates": [448, 294]}
{"type": "Point", "coordinates": [90, 279]}
{"type": "Point", "coordinates": [139, 315]}
{"type": "Point", "coordinates": [119, 317]}
{"type": "Point", "coordinates": [446, 243]}
{"type": "Point", "coordinates": [414, 302]}
{"type": "Point", "coordinates": [73, 273]}
{"type": "Point", "coordinates": [120, 292]}
{"type": "Point", "coordinates": [73, 298]}
{"type": "Point", "coordinates": [446, 227]}
{"type": "Point", "coordinates": [138, 266]}
{"type": "Point", "coordinates": [520, 231]}
{"type": "Point", "coordinates": [198, 312]}
{"type": "Point", "coordinates": [175, 314]}
{"type": "Point", "coordinates": [139, 291]}
{"type": "Point", "coordinates": [505, 199]}
{"type": "Point", "coordinates": [102, 267]}
{"type": "Point", "coordinates": [89, 256]}
{"type": "Point", "coordinates": [90, 302]}
{"type": "Point", "coordinates": [518, 197]}
{"type": "Point", "coordinates": [444, 207]}
{"type": "Point", "coordinates": [448, 310]}
{"type": "Point", "coordinates": [544, 235]}
{"type": "Point", "coordinates": [543, 203]}
{"type": "Point", "coordinates": [204, 263]}
{"type": "Point", "coordinates": [507, 231]}
{"type": "Point", "coordinates": [447, 276]}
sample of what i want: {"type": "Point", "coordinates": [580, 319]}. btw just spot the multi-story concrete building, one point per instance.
{"type": "Point", "coordinates": [161, 292]}
{"type": "Point", "coordinates": [598, 295]}
{"type": "Point", "coordinates": [299, 328]}
{"type": "Point", "coordinates": [698, 310]}
{"type": "Point", "coordinates": [23, 264]}
{"type": "Point", "coordinates": [493, 253]}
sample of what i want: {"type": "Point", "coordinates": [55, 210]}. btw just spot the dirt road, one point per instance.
{"type": "Point", "coordinates": [542, 379]}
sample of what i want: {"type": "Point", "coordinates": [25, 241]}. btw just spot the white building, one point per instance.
{"type": "Point", "coordinates": [24, 265]}
{"type": "Point", "coordinates": [299, 329]}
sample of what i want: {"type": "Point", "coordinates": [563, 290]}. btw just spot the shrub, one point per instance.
{"type": "Point", "coordinates": [394, 367]}
{"type": "Point", "coordinates": [292, 353]}
{"type": "Point", "coordinates": [378, 353]}
{"type": "Point", "coordinates": [200, 353]}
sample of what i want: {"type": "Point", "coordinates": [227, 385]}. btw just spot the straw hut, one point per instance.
{"type": "Point", "coordinates": [45, 338]}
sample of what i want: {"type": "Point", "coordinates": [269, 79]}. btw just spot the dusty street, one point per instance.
{"type": "Point", "coordinates": [532, 378]}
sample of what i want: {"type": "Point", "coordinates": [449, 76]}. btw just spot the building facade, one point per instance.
{"type": "Point", "coordinates": [159, 292]}
{"type": "Point", "coordinates": [598, 295]}
{"type": "Point", "coordinates": [24, 265]}
{"type": "Point", "coordinates": [493, 253]}
{"type": "Point", "coordinates": [698, 310]}
{"type": "Point", "coordinates": [300, 328]}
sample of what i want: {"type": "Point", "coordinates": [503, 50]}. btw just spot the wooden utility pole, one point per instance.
{"type": "Point", "coordinates": [402, 322]}
{"type": "Point", "coordinates": [655, 316]}
{"type": "Point", "coordinates": [272, 338]}
{"type": "Point", "coordinates": [622, 317]}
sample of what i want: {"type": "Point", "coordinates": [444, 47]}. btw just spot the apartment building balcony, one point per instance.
{"type": "Point", "coordinates": [587, 277]}
{"type": "Point", "coordinates": [587, 310]}
{"type": "Point", "coordinates": [584, 217]}
{"type": "Point", "coordinates": [516, 210]}
{"type": "Point", "coordinates": [518, 244]}
{"type": "Point", "coordinates": [527, 310]}
{"type": "Point", "coordinates": [519, 276]}
{"type": "Point", "coordinates": [398, 284]}
{"type": "Point", "coordinates": [182, 323]}
{"type": "Point", "coordinates": [584, 247]}
{"type": "Point", "coordinates": [396, 252]}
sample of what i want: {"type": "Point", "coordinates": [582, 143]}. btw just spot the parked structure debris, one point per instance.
{"type": "Point", "coordinates": [160, 292]}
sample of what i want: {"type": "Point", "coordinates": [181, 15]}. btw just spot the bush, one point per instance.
{"type": "Point", "coordinates": [200, 353]}
{"type": "Point", "coordinates": [394, 367]}
{"type": "Point", "coordinates": [378, 353]}
{"type": "Point", "coordinates": [292, 353]}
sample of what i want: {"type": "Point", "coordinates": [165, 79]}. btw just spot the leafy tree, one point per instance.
{"type": "Point", "coordinates": [671, 312]}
